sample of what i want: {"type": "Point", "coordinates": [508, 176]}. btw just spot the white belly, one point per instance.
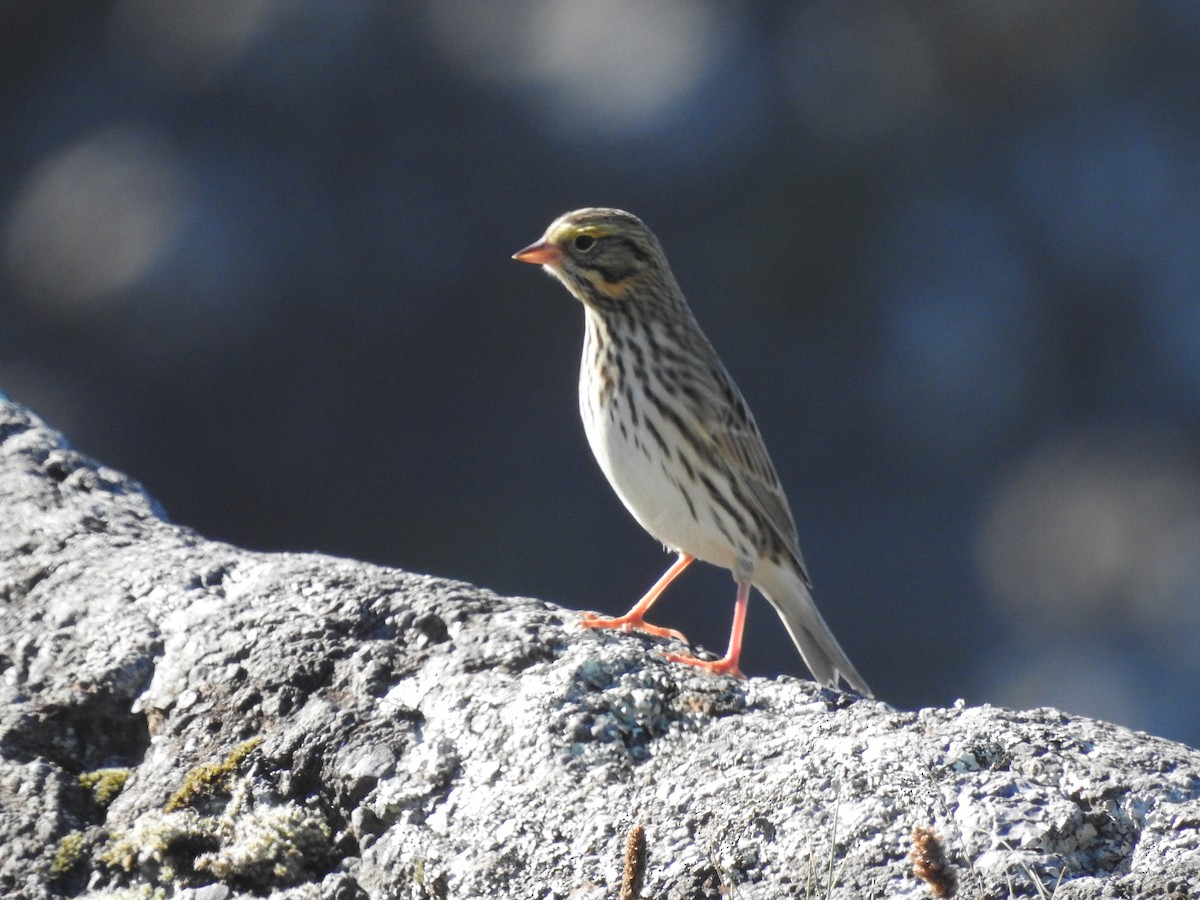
{"type": "Point", "coordinates": [664, 502]}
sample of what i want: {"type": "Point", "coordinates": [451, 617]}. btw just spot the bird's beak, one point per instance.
{"type": "Point", "coordinates": [543, 253]}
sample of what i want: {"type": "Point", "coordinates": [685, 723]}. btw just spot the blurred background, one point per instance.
{"type": "Point", "coordinates": [256, 253]}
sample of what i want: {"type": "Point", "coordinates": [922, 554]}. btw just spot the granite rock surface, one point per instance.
{"type": "Point", "coordinates": [184, 718]}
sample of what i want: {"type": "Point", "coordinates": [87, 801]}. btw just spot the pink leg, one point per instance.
{"type": "Point", "coordinates": [634, 619]}
{"type": "Point", "coordinates": [728, 664]}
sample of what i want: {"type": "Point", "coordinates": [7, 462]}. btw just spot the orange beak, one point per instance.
{"type": "Point", "coordinates": [543, 253]}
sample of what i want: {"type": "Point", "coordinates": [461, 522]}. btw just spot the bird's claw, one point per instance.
{"type": "Point", "coordinates": [630, 623]}
{"type": "Point", "coordinates": [724, 666]}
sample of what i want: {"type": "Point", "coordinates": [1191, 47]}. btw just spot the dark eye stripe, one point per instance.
{"type": "Point", "coordinates": [614, 273]}
{"type": "Point", "coordinates": [635, 250]}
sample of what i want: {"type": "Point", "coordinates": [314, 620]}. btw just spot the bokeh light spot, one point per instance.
{"type": "Point", "coordinates": [602, 66]}
{"type": "Point", "coordinates": [1096, 531]}
{"type": "Point", "coordinates": [92, 220]}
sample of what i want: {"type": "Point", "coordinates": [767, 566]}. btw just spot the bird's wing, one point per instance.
{"type": "Point", "coordinates": [736, 438]}
{"type": "Point", "coordinates": [742, 447]}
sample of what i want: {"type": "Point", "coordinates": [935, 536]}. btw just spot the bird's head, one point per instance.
{"type": "Point", "coordinates": [604, 257]}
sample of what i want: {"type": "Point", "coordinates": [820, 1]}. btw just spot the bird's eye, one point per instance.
{"type": "Point", "coordinates": [584, 242]}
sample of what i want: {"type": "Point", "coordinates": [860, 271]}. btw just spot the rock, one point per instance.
{"type": "Point", "coordinates": [296, 725]}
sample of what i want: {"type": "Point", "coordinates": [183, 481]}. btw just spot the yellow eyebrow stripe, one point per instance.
{"type": "Point", "coordinates": [567, 232]}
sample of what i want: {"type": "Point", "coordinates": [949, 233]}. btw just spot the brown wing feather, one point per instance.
{"type": "Point", "coordinates": [739, 443]}
{"type": "Point", "coordinates": [742, 447]}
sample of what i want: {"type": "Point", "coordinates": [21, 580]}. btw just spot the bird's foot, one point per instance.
{"type": "Point", "coordinates": [724, 666]}
{"type": "Point", "coordinates": [630, 622]}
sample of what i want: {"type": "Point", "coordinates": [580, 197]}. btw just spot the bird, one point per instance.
{"type": "Point", "coordinates": [676, 440]}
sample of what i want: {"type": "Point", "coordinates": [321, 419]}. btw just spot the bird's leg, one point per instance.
{"type": "Point", "coordinates": [633, 620]}
{"type": "Point", "coordinates": [728, 664]}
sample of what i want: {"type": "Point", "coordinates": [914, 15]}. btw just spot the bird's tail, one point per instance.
{"type": "Point", "coordinates": [788, 593]}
